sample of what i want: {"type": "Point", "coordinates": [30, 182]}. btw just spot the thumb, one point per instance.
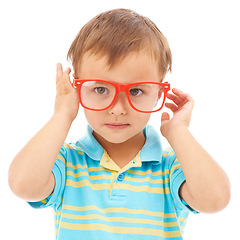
{"type": "Point", "coordinates": [165, 117]}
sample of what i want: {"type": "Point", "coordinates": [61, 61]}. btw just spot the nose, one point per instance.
{"type": "Point", "coordinates": [120, 105]}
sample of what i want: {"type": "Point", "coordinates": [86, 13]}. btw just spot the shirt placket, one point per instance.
{"type": "Point", "coordinates": [117, 191]}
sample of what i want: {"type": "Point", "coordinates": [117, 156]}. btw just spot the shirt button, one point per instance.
{"type": "Point", "coordinates": [120, 177]}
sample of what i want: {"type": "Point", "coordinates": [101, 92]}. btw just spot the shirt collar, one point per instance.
{"type": "Point", "coordinates": [90, 145]}
{"type": "Point", "coordinates": [151, 151]}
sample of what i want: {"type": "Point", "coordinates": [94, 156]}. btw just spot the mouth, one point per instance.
{"type": "Point", "coordinates": [116, 125]}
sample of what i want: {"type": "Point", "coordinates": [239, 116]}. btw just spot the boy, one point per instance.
{"type": "Point", "coordinates": [117, 182]}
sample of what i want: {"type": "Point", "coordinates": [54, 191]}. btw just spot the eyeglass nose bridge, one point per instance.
{"type": "Point", "coordinates": [122, 88]}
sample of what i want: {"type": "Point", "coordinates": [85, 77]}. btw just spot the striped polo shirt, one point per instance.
{"type": "Point", "coordinates": [95, 199]}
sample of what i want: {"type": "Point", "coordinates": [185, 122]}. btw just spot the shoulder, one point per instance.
{"type": "Point", "coordinates": [69, 152]}
{"type": "Point", "coordinates": [72, 147]}
{"type": "Point", "coordinates": [170, 160]}
{"type": "Point", "coordinates": [169, 156]}
{"type": "Point", "coordinates": [168, 153]}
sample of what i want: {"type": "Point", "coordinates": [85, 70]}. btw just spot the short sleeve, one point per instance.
{"type": "Point", "coordinates": [59, 172]}
{"type": "Point", "coordinates": [177, 178]}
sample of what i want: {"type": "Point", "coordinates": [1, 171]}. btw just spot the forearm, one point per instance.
{"type": "Point", "coordinates": [31, 169]}
{"type": "Point", "coordinates": [207, 186]}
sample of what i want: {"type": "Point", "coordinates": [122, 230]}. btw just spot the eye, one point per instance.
{"type": "Point", "coordinates": [101, 90]}
{"type": "Point", "coordinates": [135, 92]}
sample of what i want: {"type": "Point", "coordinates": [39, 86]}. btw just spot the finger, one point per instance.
{"type": "Point", "coordinates": [174, 98]}
{"type": "Point", "coordinates": [66, 76]}
{"type": "Point", "coordinates": [172, 107]}
{"type": "Point", "coordinates": [59, 66]}
{"type": "Point", "coordinates": [59, 72]}
{"type": "Point", "coordinates": [165, 117]}
{"type": "Point", "coordinates": [63, 82]}
{"type": "Point", "coordinates": [180, 94]}
{"type": "Point", "coordinates": [184, 97]}
{"type": "Point", "coordinates": [67, 71]}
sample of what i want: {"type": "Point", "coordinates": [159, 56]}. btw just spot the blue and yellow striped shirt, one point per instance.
{"type": "Point", "coordinates": [94, 199]}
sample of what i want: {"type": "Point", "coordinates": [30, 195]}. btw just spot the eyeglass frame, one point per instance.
{"type": "Point", "coordinates": [77, 83]}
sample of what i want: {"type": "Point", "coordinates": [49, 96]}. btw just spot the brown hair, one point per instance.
{"type": "Point", "coordinates": [115, 34]}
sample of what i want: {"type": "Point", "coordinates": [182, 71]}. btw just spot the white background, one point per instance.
{"type": "Point", "coordinates": [204, 38]}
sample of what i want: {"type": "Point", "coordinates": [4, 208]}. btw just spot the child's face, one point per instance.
{"type": "Point", "coordinates": [120, 122]}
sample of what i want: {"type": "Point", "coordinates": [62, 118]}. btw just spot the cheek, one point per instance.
{"type": "Point", "coordinates": [141, 119]}
{"type": "Point", "coordinates": [92, 116]}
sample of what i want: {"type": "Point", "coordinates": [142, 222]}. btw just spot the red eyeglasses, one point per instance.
{"type": "Point", "coordinates": [99, 95]}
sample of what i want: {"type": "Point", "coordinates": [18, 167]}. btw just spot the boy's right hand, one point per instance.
{"type": "Point", "coordinates": [30, 174]}
{"type": "Point", "coordinates": [67, 101]}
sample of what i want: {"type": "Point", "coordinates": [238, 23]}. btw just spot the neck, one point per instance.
{"type": "Point", "coordinates": [122, 153]}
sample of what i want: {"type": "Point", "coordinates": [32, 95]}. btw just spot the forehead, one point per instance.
{"type": "Point", "coordinates": [135, 67]}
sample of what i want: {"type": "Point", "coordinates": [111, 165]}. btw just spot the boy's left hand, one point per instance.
{"type": "Point", "coordinates": [182, 109]}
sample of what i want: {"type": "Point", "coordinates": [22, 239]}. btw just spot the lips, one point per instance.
{"type": "Point", "coordinates": [117, 125]}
